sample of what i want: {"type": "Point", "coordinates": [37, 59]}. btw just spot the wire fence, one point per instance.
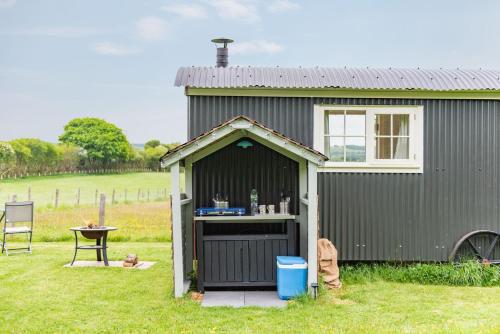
{"type": "Point", "coordinates": [81, 196]}
{"type": "Point", "coordinates": [16, 175]}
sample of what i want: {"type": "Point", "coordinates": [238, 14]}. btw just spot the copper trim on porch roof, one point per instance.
{"type": "Point", "coordinates": [347, 78]}
{"type": "Point", "coordinates": [180, 147]}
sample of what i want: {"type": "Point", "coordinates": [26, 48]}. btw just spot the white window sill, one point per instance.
{"type": "Point", "coordinates": [330, 167]}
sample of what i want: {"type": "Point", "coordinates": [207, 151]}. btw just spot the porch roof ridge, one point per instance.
{"type": "Point", "coordinates": [241, 123]}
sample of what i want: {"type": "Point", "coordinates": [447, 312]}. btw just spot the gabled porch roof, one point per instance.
{"type": "Point", "coordinates": [241, 126]}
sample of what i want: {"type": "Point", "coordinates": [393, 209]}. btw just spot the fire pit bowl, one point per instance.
{"type": "Point", "coordinates": [90, 233]}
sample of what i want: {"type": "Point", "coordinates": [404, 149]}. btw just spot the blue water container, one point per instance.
{"type": "Point", "coordinates": [291, 276]}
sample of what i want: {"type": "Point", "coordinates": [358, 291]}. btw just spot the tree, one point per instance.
{"type": "Point", "coordinates": [7, 157]}
{"type": "Point", "coordinates": [35, 154]}
{"type": "Point", "coordinates": [103, 142]}
{"type": "Point", "coordinates": [153, 155]}
{"type": "Point", "coordinates": [152, 143]}
{"type": "Point", "coordinates": [70, 157]}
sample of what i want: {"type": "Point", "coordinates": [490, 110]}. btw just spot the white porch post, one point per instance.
{"type": "Point", "coordinates": [303, 208]}
{"type": "Point", "coordinates": [188, 211]}
{"type": "Point", "coordinates": [312, 223]}
{"type": "Point", "coordinates": [177, 230]}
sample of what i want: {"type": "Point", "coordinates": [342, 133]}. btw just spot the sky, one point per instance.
{"type": "Point", "coordinates": [117, 59]}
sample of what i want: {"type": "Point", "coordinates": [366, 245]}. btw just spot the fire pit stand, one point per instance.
{"type": "Point", "coordinates": [100, 235]}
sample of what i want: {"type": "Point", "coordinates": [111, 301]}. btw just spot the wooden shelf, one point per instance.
{"type": "Point", "coordinates": [242, 219]}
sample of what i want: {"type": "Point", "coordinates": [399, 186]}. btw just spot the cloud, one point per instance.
{"type": "Point", "coordinates": [244, 10]}
{"type": "Point", "coordinates": [280, 6]}
{"type": "Point", "coordinates": [256, 47]}
{"type": "Point", "coordinates": [65, 32]}
{"type": "Point", "coordinates": [187, 11]}
{"type": "Point", "coordinates": [7, 3]}
{"type": "Point", "coordinates": [152, 28]}
{"type": "Point", "coordinates": [112, 49]}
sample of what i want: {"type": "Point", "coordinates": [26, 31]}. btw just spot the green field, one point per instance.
{"type": "Point", "coordinates": [40, 296]}
{"type": "Point", "coordinates": [148, 221]}
{"type": "Point", "coordinates": [126, 186]}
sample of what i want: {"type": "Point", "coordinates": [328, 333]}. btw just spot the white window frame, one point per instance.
{"type": "Point", "coordinates": [416, 153]}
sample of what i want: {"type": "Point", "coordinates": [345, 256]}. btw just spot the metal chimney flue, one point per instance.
{"type": "Point", "coordinates": [222, 51]}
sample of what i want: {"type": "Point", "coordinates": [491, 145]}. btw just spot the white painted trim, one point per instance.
{"type": "Point", "coordinates": [275, 148]}
{"type": "Point", "coordinates": [396, 169]}
{"type": "Point", "coordinates": [186, 201]}
{"type": "Point", "coordinates": [234, 137]}
{"type": "Point", "coordinates": [188, 215]}
{"type": "Point", "coordinates": [312, 224]}
{"type": "Point", "coordinates": [413, 165]}
{"type": "Point", "coordinates": [177, 230]}
{"type": "Point", "coordinates": [245, 128]}
{"type": "Point", "coordinates": [303, 208]}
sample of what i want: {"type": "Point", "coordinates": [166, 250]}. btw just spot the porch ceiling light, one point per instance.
{"type": "Point", "coordinates": [244, 144]}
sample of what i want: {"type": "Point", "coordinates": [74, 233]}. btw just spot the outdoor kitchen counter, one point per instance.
{"type": "Point", "coordinates": [278, 218]}
{"type": "Point", "coordinates": [240, 251]}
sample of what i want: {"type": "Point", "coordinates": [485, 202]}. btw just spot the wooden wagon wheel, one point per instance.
{"type": "Point", "coordinates": [481, 245]}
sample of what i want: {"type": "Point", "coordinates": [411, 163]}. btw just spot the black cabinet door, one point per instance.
{"type": "Point", "coordinates": [262, 259]}
{"type": "Point", "coordinates": [224, 260]}
{"type": "Point", "coordinates": [245, 261]}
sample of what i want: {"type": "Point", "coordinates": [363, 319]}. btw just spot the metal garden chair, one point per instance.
{"type": "Point", "coordinates": [14, 214]}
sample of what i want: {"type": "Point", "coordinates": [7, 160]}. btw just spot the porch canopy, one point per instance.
{"type": "Point", "coordinates": [183, 202]}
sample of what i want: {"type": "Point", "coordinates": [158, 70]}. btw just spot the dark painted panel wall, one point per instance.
{"type": "Point", "coordinates": [235, 171]}
{"type": "Point", "coordinates": [393, 216]}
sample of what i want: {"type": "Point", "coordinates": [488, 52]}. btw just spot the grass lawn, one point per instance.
{"type": "Point", "coordinates": [43, 188]}
{"type": "Point", "coordinates": [39, 295]}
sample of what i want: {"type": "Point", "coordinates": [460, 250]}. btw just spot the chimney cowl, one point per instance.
{"type": "Point", "coordinates": [222, 51]}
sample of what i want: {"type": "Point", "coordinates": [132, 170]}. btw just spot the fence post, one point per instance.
{"type": "Point", "coordinates": [78, 197]}
{"type": "Point", "coordinates": [29, 193]}
{"type": "Point", "coordinates": [148, 194]}
{"type": "Point", "coordinates": [102, 205]}
{"type": "Point", "coordinates": [138, 194]}
{"type": "Point", "coordinates": [95, 197]}
{"type": "Point", "coordinates": [125, 195]}
{"type": "Point", "coordinates": [56, 202]}
{"type": "Point", "coordinates": [113, 197]}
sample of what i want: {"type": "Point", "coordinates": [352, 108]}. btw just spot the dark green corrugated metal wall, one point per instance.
{"type": "Point", "coordinates": [392, 216]}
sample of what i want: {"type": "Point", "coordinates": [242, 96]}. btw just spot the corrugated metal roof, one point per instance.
{"type": "Point", "coordinates": [348, 78]}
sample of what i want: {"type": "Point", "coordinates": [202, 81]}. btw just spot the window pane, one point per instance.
{"type": "Point", "coordinates": [400, 125]}
{"type": "Point", "coordinates": [401, 148]}
{"type": "Point", "coordinates": [355, 123]}
{"type": "Point", "coordinates": [335, 149]}
{"type": "Point", "coordinates": [355, 149]}
{"type": "Point", "coordinates": [383, 148]}
{"type": "Point", "coordinates": [335, 123]}
{"type": "Point", "coordinates": [383, 125]}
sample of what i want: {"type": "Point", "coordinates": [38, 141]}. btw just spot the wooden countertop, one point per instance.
{"type": "Point", "coordinates": [241, 219]}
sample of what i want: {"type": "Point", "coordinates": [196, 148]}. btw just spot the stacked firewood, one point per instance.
{"type": "Point", "coordinates": [131, 260]}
